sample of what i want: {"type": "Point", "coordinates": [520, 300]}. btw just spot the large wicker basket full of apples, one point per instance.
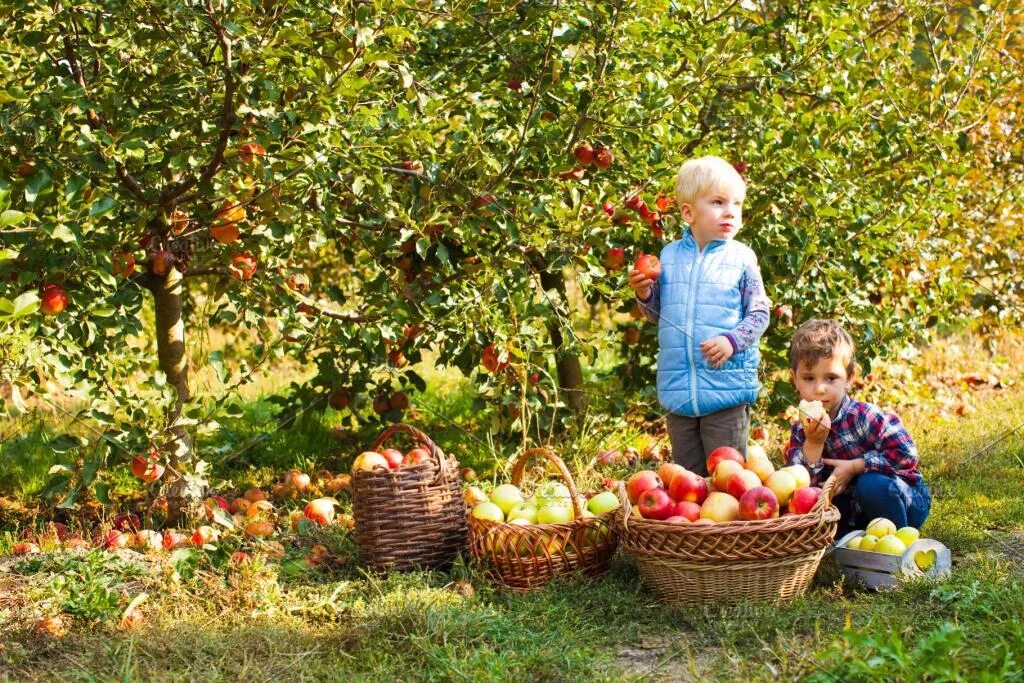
{"type": "Point", "coordinates": [747, 532]}
{"type": "Point", "coordinates": [524, 543]}
{"type": "Point", "coordinates": [408, 509]}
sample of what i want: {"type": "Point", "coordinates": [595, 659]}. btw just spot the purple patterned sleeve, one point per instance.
{"type": "Point", "coordinates": [652, 306]}
{"type": "Point", "coordinates": [755, 309]}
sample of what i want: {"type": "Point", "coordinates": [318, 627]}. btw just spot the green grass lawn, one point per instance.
{"type": "Point", "coordinates": [286, 621]}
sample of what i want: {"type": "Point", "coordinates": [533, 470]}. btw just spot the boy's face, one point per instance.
{"type": "Point", "coordinates": [824, 381]}
{"type": "Point", "coordinates": [714, 215]}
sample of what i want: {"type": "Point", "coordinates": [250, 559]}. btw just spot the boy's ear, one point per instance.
{"type": "Point", "coordinates": [792, 377]}
{"type": "Point", "coordinates": [686, 211]}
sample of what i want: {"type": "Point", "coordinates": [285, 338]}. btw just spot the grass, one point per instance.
{"type": "Point", "coordinates": [285, 620]}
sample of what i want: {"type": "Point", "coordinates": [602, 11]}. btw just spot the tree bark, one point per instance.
{"type": "Point", "coordinates": [570, 370]}
{"type": "Point", "coordinates": [183, 494]}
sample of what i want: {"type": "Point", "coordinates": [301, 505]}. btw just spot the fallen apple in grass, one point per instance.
{"type": "Point", "coordinates": [321, 510]}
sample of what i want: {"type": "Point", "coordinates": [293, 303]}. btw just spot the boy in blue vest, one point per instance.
{"type": "Point", "coordinates": [711, 308]}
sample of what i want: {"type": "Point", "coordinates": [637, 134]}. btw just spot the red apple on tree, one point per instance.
{"type": "Point", "coordinates": [584, 154]}
{"type": "Point", "coordinates": [381, 404]}
{"type": "Point", "coordinates": [161, 262]}
{"type": "Point", "coordinates": [250, 151]}
{"type": "Point", "coordinates": [603, 157]}
{"type": "Point", "coordinates": [493, 360]}
{"type": "Point", "coordinates": [339, 399]}
{"type": "Point", "coordinates": [632, 336]}
{"type": "Point", "coordinates": [179, 222]}
{"type": "Point", "coordinates": [297, 282]}
{"type": "Point", "coordinates": [123, 263]}
{"type": "Point", "coordinates": [634, 202]}
{"type": "Point", "coordinates": [146, 469]}
{"type": "Point", "coordinates": [400, 400]}
{"type": "Point", "coordinates": [615, 258]}
{"type": "Point", "coordinates": [243, 266]}
{"type": "Point", "coordinates": [52, 299]}
{"type": "Point", "coordinates": [608, 208]}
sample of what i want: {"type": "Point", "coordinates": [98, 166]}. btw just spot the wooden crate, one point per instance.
{"type": "Point", "coordinates": [878, 570]}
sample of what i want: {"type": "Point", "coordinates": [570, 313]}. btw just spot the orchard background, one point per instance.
{"type": "Point", "coordinates": [280, 226]}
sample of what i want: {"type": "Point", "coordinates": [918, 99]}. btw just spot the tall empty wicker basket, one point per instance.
{"type": "Point", "coordinates": [413, 517]}
{"type": "Point", "coordinates": [703, 564]}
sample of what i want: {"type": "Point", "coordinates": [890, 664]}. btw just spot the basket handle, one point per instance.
{"type": "Point", "coordinates": [520, 467]}
{"type": "Point", "coordinates": [825, 499]}
{"type": "Point", "coordinates": [624, 505]}
{"type": "Point", "coordinates": [435, 450]}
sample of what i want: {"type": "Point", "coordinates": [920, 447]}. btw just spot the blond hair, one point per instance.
{"type": "Point", "coordinates": [703, 174]}
{"type": "Point", "coordinates": [820, 338]}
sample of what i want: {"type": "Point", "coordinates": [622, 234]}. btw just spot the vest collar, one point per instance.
{"type": "Point", "coordinates": [689, 240]}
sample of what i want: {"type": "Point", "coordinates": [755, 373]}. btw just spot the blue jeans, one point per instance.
{"type": "Point", "coordinates": [883, 495]}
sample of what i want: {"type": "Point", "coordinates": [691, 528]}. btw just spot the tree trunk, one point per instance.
{"type": "Point", "coordinates": [570, 370]}
{"type": "Point", "coordinates": [183, 493]}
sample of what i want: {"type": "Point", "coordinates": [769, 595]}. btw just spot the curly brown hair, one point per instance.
{"type": "Point", "coordinates": [821, 338]}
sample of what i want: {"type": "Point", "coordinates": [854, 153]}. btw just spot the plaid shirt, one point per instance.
{"type": "Point", "coordinates": [862, 430]}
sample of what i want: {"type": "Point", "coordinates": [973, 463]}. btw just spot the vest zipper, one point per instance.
{"type": "Point", "coordinates": [694, 281]}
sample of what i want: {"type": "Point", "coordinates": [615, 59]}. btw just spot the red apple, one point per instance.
{"type": "Point", "coordinates": [214, 502]}
{"type": "Point", "coordinates": [297, 282]}
{"type": "Point", "coordinates": [688, 510]}
{"type": "Point", "coordinates": [254, 494]}
{"type": "Point", "coordinates": [243, 266]}
{"type": "Point", "coordinates": [250, 150]}
{"type": "Point", "coordinates": [203, 535]}
{"type": "Point", "coordinates": [723, 453]}
{"type": "Point", "coordinates": [117, 539]}
{"type": "Point", "coordinates": [649, 266]}
{"type": "Point", "coordinates": [615, 258]}
{"type": "Point", "coordinates": [123, 263]}
{"type": "Point", "coordinates": [128, 522]}
{"type": "Point", "coordinates": [146, 469]}
{"type": "Point", "coordinates": [514, 84]}
{"type": "Point", "coordinates": [381, 404]}
{"type": "Point", "coordinates": [393, 456]}
{"type": "Point", "coordinates": [803, 499]}
{"type": "Point", "coordinates": [608, 208]}
{"type": "Point", "coordinates": [760, 502]}
{"type": "Point", "coordinates": [667, 471]}
{"type": "Point", "coordinates": [654, 503]}
{"type": "Point", "coordinates": [413, 166]}
{"type": "Point", "coordinates": [584, 154]}
{"type": "Point", "coordinates": [723, 471]}
{"type": "Point", "coordinates": [297, 480]}
{"type": "Point", "coordinates": [640, 482]}
{"type": "Point", "coordinates": [689, 487]}
{"type": "Point", "coordinates": [493, 359]}
{"type": "Point", "coordinates": [631, 336]}
{"type": "Point", "coordinates": [320, 510]}
{"type": "Point", "coordinates": [339, 399]}
{"type": "Point", "coordinates": [161, 262]}
{"type": "Point", "coordinates": [52, 299]}
{"type": "Point", "coordinates": [741, 482]}
{"type": "Point", "coordinates": [25, 548]}
{"type": "Point", "coordinates": [576, 173]}
{"type": "Point", "coordinates": [400, 400]}
{"type": "Point", "coordinates": [468, 474]}
{"type": "Point", "coordinates": [416, 456]}
{"type": "Point", "coordinates": [603, 157]}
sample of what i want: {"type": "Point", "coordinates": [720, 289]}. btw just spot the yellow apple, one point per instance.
{"type": "Point", "coordinates": [854, 543]}
{"type": "Point", "coordinates": [800, 473]}
{"type": "Point", "coordinates": [879, 527]}
{"type": "Point", "coordinates": [890, 545]}
{"type": "Point", "coordinates": [782, 484]}
{"type": "Point", "coordinates": [489, 511]}
{"type": "Point", "coordinates": [369, 461]}
{"type": "Point", "coordinates": [908, 535]}
{"type": "Point", "coordinates": [506, 496]}
{"type": "Point", "coordinates": [719, 506]}
{"type": "Point", "coordinates": [762, 468]}
{"type": "Point", "coordinates": [723, 471]}
{"type": "Point", "coordinates": [867, 542]}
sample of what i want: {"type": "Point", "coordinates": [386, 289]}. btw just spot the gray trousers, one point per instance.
{"type": "Point", "coordinates": [692, 438]}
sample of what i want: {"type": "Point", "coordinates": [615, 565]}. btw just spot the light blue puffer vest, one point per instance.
{"type": "Point", "coordinates": [700, 298]}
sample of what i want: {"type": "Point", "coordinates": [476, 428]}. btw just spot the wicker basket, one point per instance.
{"type": "Point", "coordinates": [527, 557]}
{"type": "Point", "coordinates": [701, 564]}
{"type": "Point", "coordinates": [413, 517]}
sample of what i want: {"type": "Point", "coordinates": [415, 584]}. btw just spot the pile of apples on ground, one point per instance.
{"type": "Point", "coordinates": [737, 489]}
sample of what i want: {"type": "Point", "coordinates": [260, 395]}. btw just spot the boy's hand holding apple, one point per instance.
{"type": "Point", "coordinates": [640, 284]}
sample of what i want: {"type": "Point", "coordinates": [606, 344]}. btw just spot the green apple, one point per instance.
{"type": "Point", "coordinates": [554, 513]}
{"type": "Point", "coordinates": [489, 512]}
{"type": "Point", "coordinates": [523, 511]}
{"type": "Point", "coordinates": [908, 535]}
{"type": "Point", "coordinates": [603, 502]}
{"type": "Point", "coordinates": [890, 545]}
{"type": "Point", "coordinates": [554, 492]}
{"type": "Point", "coordinates": [879, 527]}
{"type": "Point", "coordinates": [506, 496]}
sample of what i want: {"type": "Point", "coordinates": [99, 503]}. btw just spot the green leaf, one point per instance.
{"type": "Point", "coordinates": [11, 217]}
{"type": "Point", "coordinates": [66, 442]}
{"type": "Point", "coordinates": [26, 304]}
{"type": "Point", "coordinates": [38, 184]}
{"type": "Point", "coordinates": [103, 206]}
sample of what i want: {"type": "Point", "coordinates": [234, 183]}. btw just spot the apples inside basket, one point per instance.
{"type": "Point", "coordinates": [712, 563]}
{"type": "Point", "coordinates": [524, 556]}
